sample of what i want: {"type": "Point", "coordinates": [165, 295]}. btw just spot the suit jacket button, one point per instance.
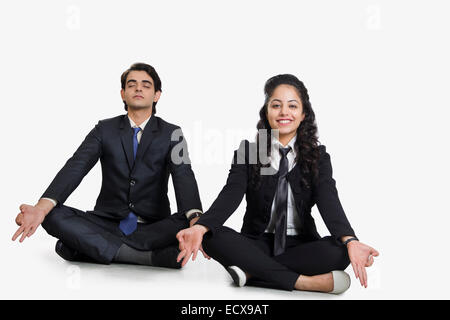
{"type": "Point", "coordinates": [132, 182]}
{"type": "Point", "coordinates": [131, 205]}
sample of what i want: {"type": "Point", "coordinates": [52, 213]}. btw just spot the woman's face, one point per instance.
{"type": "Point", "coordinates": [285, 111]}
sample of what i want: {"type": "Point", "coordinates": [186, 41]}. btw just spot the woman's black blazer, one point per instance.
{"type": "Point", "coordinates": [259, 200]}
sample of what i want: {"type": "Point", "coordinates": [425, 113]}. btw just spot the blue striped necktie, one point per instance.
{"type": "Point", "coordinates": [129, 224]}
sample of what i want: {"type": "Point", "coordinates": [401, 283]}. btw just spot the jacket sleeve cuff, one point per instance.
{"type": "Point", "coordinates": [339, 236]}
{"type": "Point", "coordinates": [210, 227]}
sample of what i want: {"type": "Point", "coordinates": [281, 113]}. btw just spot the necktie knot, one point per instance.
{"type": "Point", "coordinates": [284, 151]}
{"type": "Point", "coordinates": [136, 130]}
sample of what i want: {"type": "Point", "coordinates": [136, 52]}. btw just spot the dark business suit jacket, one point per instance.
{"type": "Point", "coordinates": [259, 201]}
{"type": "Point", "coordinates": [131, 185]}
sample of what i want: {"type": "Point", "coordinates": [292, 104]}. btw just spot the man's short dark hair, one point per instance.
{"type": "Point", "coordinates": [139, 66]}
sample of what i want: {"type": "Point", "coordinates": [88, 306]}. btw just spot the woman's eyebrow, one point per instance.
{"type": "Point", "coordinates": [282, 101]}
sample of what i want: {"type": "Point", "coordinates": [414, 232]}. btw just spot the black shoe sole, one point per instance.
{"type": "Point", "coordinates": [70, 254]}
{"type": "Point", "coordinates": [234, 276]}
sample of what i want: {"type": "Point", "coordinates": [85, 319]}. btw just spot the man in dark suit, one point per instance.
{"type": "Point", "coordinates": [131, 221]}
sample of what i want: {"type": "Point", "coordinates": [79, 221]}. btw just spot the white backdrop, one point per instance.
{"type": "Point", "coordinates": [377, 72]}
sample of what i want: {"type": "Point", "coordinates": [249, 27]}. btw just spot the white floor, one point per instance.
{"type": "Point", "coordinates": [32, 270]}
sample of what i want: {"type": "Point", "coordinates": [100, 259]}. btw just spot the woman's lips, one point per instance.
{"type": "Point", "coordinates": [284, 122]}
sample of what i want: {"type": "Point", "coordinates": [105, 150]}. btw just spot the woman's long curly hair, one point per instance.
{"type": "Point", "coordinates": [306, 145]}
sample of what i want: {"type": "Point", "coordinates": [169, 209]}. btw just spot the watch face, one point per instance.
{"type": "Point", "coordinates": [195, 215]}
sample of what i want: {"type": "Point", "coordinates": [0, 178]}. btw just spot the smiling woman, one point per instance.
{"type": "Point", "coordinates": [285, 112]}
{"type": "Point", "coordinates": [279, 246]}
{"type": "Point", "coordinates": [287, 109]}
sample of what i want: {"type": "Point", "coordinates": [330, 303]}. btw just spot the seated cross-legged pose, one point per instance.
{"type": "Point", "coordinates": [279, 246]}
{"type": "Point", "coordinates": [131, 221]}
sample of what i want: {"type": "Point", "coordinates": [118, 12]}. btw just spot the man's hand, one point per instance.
{"type": "Point", "coordinates": [361, 256]}
{"type": "Point", "coordinates": [190, 241]}
{"type": "Point", "coordinates": [30, 217]}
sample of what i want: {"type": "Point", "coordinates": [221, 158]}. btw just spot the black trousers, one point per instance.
{"type": "Point", "coordinates": [254, 255]}
{"type": "Point", "coordinates": [100, 238]}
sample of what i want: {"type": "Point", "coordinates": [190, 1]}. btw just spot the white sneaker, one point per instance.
{"type": "Point", "coordinates": [341, 281]}
{"type": "Point", "coordinates": [238, 275]}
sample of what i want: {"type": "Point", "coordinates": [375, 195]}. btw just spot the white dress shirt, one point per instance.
{"type": "Point", "coordinates": [293, 220]}
{"type": "Point", "coordinates": [142, 126]}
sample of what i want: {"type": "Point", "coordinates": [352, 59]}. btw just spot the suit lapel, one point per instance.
{"type": "Point", "coordinates": [126, 135]}
{"type": "Point", "coordinates": [294, 177]}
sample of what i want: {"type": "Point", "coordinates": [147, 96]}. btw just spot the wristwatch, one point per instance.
{"type": "Point", "coordinates": [194, 215]}
{"type": "Point", "coordinates": [350, 239]}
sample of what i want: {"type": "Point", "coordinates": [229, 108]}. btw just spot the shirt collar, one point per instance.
{"type": "Point", "coordinates": [275, 154]}
{"type": "Point", "coordinates": [143, 124]}
{"type": "Point", "coordinates": [291, 143]}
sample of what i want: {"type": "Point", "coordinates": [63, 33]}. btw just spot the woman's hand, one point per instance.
{"type": "Point", "coordinates": [190, 241]}
{"type": "Point", "coordinates": [361, 256]}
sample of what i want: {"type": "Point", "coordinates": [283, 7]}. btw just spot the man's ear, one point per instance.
{"type": "Point", "coordinates": [157, 95]}
{"type": "Point", "coordinates": [122, 94]}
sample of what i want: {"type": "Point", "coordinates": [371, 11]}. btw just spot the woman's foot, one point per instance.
{"type": "Point", "coordinates": [332, 282]}
{"type": "Point", "coordinates": [239, 276]}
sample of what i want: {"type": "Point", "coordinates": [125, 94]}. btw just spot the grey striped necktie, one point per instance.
{"type": "Point", "coordinates": [281, 204]}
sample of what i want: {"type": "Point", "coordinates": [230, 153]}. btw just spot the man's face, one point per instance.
{"type": "Point", "coordinates": [139, 92]}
